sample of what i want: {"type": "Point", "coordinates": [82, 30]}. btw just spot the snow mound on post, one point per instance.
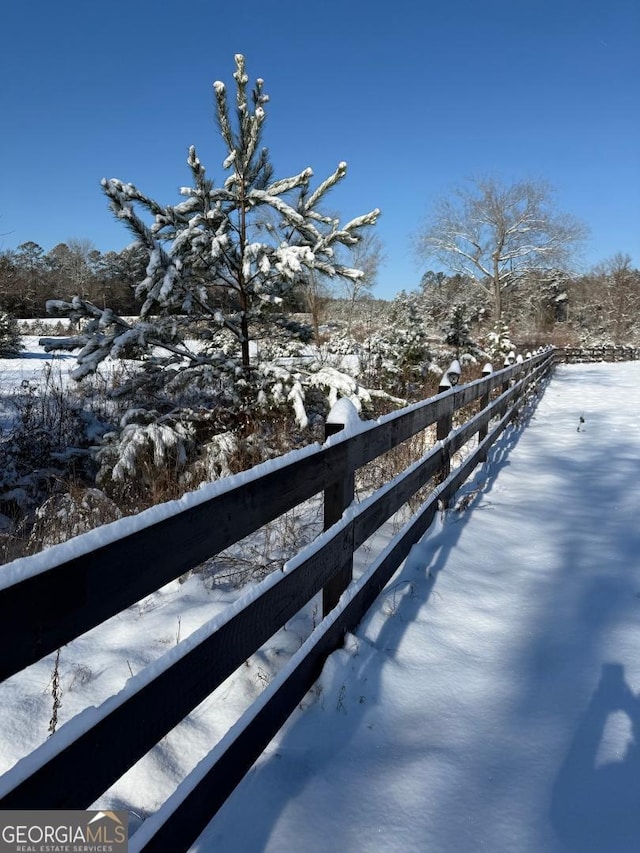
{"type": "Point", "coordinates": [344, 412]}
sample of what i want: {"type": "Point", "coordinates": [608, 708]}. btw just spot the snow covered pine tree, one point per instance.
{"type": "Point", "coordinates": [220, 263]}
{"type": "Point", "coordinates": [224, 257]}
{"type": "Point", "coordinates": [10, 341]}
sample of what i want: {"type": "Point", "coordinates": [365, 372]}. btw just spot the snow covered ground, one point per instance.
{"type": "Point", "coordinates": [29, 368]}
{"type": "Point", "coordinates": [491, 699]}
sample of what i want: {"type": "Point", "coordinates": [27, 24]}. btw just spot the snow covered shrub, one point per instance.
{"type": "Point", "coordinates": [10, 342]}
{"type": "Point", "coordinates": [215, 459]}
{"type": "Point", "coordinates": [69, 514]}
{"type": "Point", "coordinates": [45, 448]}
{"type": "Point", "coordinates": [440, 292]}
{"type": "Point", "coordinates": [293, 387]}
{"type": "Point", "coordinates": [498, 345]}
{"type": "Point", "coordinates": [401, 352]}
{"type": "Point", "coordinates": [457, 333]}
{"type": "Point", "coordinates": [338, 346]}
{"type": "Point", "coordinates": [47, 444]}
{"type": "Point", "coordinates": [209, 420]}
{"type": "Point", "coordinates": [144, 459]}
{"type": "Point", "coordinates": [337, 384]}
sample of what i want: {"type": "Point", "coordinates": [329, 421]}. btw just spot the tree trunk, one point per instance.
{"type": "Point", "coordinates": [497, 293]}
{"type": "Point", "coordinates": [244, 298]}
{"type": "Point", "coordinates": [244, 328]}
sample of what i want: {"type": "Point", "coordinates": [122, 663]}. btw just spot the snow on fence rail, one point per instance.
{"type": "Point", "coordinates": [43, 606]}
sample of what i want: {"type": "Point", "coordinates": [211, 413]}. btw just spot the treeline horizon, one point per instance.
{"type": "Point", "coordinates": [604, 301]}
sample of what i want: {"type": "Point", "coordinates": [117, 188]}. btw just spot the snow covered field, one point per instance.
{"type": "Point", "coordinates": [28, 368]}
{"type": "Point", "coordinates": [491, 700]}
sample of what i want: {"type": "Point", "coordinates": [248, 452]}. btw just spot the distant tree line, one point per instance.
{"type": "Point", "coordinates": [544, 305]}
{"type": "Point", "coordinates": [29, 276]}
{"type": "Point", "coordinates": [600, 305]}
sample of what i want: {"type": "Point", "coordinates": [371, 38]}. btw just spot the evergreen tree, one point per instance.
{"type": "Point", "coordinates": [225, 256]}
{"type": "Point", "coordinates": [407, 330]}
{"type": "Point", "coordinates": [456, 330]}
{"type": "Point", "coordinates": [220, 265]}
{"type": "Point", "coordinates": [499, 345]}
{"type": "Point", "coordinates": [399, 354]}
{"type": "Point", "coordinates": [10, 343]}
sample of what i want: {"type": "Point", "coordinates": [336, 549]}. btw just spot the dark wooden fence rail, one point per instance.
{"type": "Point", "coordinates": [601, 353]}
{"type": "Point", "coordinates": [41, 611]}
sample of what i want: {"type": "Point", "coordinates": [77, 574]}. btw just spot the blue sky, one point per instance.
{"type": "Point", "coordinates": [414, 96]}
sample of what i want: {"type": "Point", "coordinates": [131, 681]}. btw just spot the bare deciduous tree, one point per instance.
{"type": "Point", "coordinates": [495, 233]}
{"type": "Point", "coordinates": [316, 293]}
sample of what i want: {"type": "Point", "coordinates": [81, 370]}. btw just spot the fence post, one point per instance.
{"type": "Point", "coordinates": [444, 423]}
{"type": "Point", "coordinates": [337, 497]}
{"type": "Point", "coordinates": [505, 385]}
{"type": "Point", "coordinates": [443, 428]}
{"type": "Point", "coordinates": [487, 370]}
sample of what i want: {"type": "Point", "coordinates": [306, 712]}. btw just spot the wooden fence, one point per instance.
{"type": "Point", "coordinates": [41, 610]}
{"type": "Point", "coordinates": [572, 355]}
